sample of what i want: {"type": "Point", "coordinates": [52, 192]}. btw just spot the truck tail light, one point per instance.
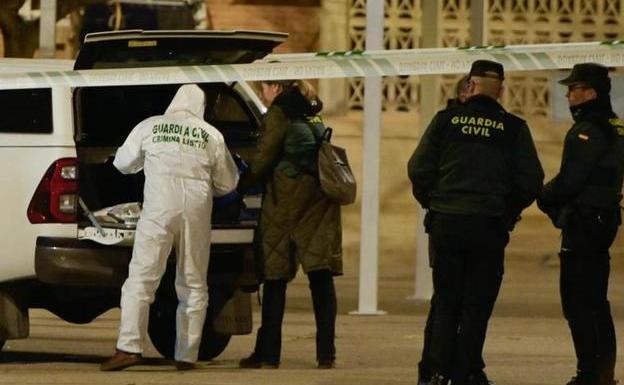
{"type": "Point", "coordinates": [56, 198]}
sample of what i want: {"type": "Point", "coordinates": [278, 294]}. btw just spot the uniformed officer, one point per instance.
{"type": "Point", "coordinates": [583, 200]}
{"type": "Point", "coordinates": [424, 366]}
{"type": "Point", "coordinates": [475, 169]}
{"type": "Point", "coordinates": [461, 92]}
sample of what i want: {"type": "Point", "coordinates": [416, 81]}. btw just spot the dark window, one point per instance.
{"type": "Point", "coordinates": [106, 115]}
{"type": "Point", "coordinates": [226, 110]}
{"type": "Point", "coordinates": [26, 111]}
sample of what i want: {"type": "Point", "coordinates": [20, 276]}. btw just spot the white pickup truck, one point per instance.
{"type": "Point", "coordinates": [56, 151]}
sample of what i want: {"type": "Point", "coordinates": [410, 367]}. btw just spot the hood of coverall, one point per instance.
{"type": "Point", "coordinates": [189, 98]}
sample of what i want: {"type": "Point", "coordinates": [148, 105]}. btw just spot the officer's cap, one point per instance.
{"type": "Point", "coordinates": [595, 75]}
{"type": "Point", "coordinates": [487, 68]}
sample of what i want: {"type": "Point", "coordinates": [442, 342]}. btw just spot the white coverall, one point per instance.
{"type": "Point", "coordinates": [186, 162]}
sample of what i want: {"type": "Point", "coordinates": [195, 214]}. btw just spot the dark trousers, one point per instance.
{"type": "Point", "coordinates": [584, 281]}
{"type": "Point", "coordinates": [467, 275]}
{"type": "Point", "coordinates": [425, 371]}
{"type": "Point", "coordinates": [269, 338]}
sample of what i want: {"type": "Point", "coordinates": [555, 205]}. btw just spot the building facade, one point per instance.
{"type": "Point", "coordinates": [341, 25]}
{"type": "Point", "coordinates": [508, 22]}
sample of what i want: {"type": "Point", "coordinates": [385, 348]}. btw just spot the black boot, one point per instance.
{"type": "Point", "coordinates": [423, 378]}
{"type": "Point", "coordinates": [582, 379]}
{"type": "Point", "coordinates": [254, 362]}
{"type": "Point", "coordinates": [438, 379]}
{"type": "Point", "coordinates": [479, 379]}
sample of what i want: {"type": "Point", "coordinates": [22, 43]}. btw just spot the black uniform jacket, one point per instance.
{"type": "Point", "coordinates": [476, 158]}
{"type": "Point", "coordinates": [592, 164]}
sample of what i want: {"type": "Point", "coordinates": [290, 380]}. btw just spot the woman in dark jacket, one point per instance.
{"type": "Point", "coordinates": [298, 224]}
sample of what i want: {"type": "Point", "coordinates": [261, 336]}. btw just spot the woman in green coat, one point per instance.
{"type": "Point", "coordinates": [298, 224]}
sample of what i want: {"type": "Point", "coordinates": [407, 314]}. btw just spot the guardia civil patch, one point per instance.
{"type": "Point", "coordinates": [583, 136]}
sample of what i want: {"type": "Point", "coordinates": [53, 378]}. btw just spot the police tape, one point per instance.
{"type": "Point", "coordinates": [431, 61]}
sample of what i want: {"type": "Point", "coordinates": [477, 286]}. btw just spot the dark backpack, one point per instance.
{"type": "Point", "coordinates": [335, 175]}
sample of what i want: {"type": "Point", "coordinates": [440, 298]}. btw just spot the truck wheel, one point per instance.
{"type": "Point", "coordinates": [162, 329]}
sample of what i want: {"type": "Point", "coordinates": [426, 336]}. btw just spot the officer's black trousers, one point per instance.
{"type": "Point", "coordinates": [424, 366]}
{"type": "Point", "coordinates": [467, 275]}
{"type": "Point", "coordinates": [269, 339]}
{"type": "Point", "coordinates": [584, 282]}
{"type": "Point", "coordinates": [425, 370]}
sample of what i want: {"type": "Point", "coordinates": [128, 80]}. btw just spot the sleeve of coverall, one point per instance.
{"type": "Point", "coordinates": [583, 147]}
{"type": "Point", "coordinates": [422, 168]}
{"type": "Point", "coordinates": [268, 150]}
{"type": "Point", "coordinates": [224, 172]}
{"type": "Point", "coordinates": [129, 157]}
{"type": "Point", "coordinates": [528, 174]}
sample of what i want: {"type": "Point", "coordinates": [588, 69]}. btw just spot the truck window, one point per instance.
{"type": "Point", "coordinates": [106, 115]}
{"type": "Point", "coordinates": [26, 111]}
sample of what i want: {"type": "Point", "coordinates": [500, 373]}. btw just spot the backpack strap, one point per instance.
{"type": "Point", "coordinates": [326, 135]}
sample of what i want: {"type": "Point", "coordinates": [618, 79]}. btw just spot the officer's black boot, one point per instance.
{"type": "Point", "coordinates": [424, 366]}
{"type": "Point", "coordinates": [424, 377]}
{"type": "Point", "coordinates": [583, 379]}
{"type": "Point", "coordinates": [607, 380]}
{"type": "Point", "coordinates": [479, 378]}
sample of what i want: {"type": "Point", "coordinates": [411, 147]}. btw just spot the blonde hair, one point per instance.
{"type": "Point", "coordinates": [489, 86]}
{"type": "Point", "coordinates": [305, 87]}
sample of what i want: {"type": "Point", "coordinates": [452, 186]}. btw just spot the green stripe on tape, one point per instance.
{"type": "Point", "coordinates": [483, 48]}
{"type": "Point", "coordinates": [387, 67]}
{"type": "Point", "coordinates": [367, 67]}
{"type": "Point", "coordinates": [38, 78]}
{"type": "Point", "coordinates": [525, 61]}
{"type": "Point", "coordinates": [192, 74]}
{"type": "Point", "coordinates": [544, 60]}
{"type": "Point", "coordinates": [210, 73]}
{"type": "Point", "coordinates": [505, 61]}
{"type": "Point", "coordinates": [56, 78]}
{"type": "Point", "coordinates": [355, 52]}
{"type": "Point", "coordinates": [613, 43]}
{"type": "Point", "coordinates": [231, 73]}
{"type": "Point", "coordinates": [347, 68]}
{"type": "Point", "coordinates": [478, 50]}
{"type": "Point", "coordinates": [75, 78]}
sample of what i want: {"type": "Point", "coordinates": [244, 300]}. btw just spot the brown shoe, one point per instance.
{"type": "Point", "coordinates": [121, 360]}
{"type": "Point", "coordinates": [326, 364]}
{"type": "Point", "coordinates": [183, 365]}
{"type": "Point", "coordinates": [253, 362]}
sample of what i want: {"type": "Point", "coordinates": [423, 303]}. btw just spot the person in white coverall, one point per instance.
{"type": "Point", "coordinates": [186, 163]}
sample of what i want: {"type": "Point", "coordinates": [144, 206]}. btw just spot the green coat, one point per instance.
{"type": "Point", "coordinates": [298, 224]}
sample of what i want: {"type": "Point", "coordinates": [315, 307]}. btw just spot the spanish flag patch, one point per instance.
{"type": "Point", "coordinates": [583, 136]}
